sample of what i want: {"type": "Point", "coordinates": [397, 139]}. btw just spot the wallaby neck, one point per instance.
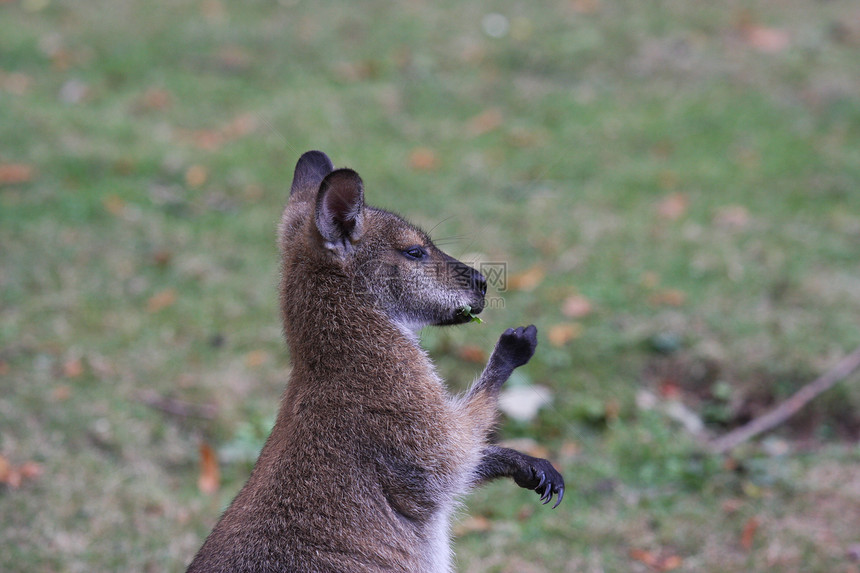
{"type": "Point", "coordinates": [339, 333]}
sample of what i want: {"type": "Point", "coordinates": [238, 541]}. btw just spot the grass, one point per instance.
{"type": "Point", "coordinates": [692, 171]}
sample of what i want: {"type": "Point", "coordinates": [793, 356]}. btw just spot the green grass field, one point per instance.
{"type": "Point", "coordinates": [674, 189]}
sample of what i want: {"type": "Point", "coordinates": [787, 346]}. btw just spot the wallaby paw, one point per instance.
{"type": "Point", "coordinates": [543, 478]}
{"type": "Point", "coordinates": [516, 346]}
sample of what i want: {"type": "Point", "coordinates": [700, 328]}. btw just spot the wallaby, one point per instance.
{"type": "Point", "coordinates": [369, 453]}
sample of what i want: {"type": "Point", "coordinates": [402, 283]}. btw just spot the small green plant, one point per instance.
{"type": "Point", "coordinates": [466, 311]}
{"type": "Point", "coordinates": [718, 410]}
{"type": "Point", "coordinates": [653, 454]}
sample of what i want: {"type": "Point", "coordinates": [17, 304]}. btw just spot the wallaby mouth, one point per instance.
{"type": "Point", "coordinates": [477, 289]}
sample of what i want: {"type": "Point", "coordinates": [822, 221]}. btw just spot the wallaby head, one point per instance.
{"type": "Point", "coordinates": [370, 257]}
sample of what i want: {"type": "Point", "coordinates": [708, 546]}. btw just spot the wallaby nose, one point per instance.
{"type": "Point", "coordinates": [479, 282]}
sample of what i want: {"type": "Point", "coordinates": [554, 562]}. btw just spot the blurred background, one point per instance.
{"type": "Point", "coordinates": [673, 189]}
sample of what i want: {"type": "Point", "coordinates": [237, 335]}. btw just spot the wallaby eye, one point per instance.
{"type": "Point", "coordinates": [415, 253]}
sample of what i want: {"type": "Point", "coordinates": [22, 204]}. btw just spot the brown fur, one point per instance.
{"type": "Point", "coordinates": [369, 452]}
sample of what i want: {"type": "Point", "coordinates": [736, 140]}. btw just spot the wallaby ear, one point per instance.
{"type": "Point", "coordinates": [311, 169]}
{"type": "Point", "coordinates": [340, 209]}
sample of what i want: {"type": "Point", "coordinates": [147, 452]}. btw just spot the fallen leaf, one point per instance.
{"type": "Point", "coordinates": [748, 533]}
{"type": "Point", "coordinates": [549, 246]}
{"type": "Point", "coordinates": [732, 505]}
{"type": "Point", "coordinates": [612, 409]}
{"type": "Point", "coordinates": [656, 561]}
{"type": "Point", "coordinates": [485, 122]}
{"type": "Point", "coordinates": [732, 217]}
{"type": "Point", "coordinates": [256, 358]}
{"type": "Point", "coordinates": [423, 159]}
{"type": "Point", "coordinates": [124, 166]}
{"type": "Point", "coordinates": [15, 173]}
{"type": "Point", "coordinates": [213, 10]}
{"type": "Point", "coordinates": [100, 366]}
{"type": "Point", "coordinates": [15, 83]}
{"type": "Point", "coordinates": [253, 192]}
{"type": "Point", "coordinates": [162, 258]}
{"type": "Point", "coordinates": [670, 562]}
{"type": "Point", "coordinates": [114, 205]}
{"type": "Point", "coordinates": [154, 99]}
{"type": "Point", "coordinates": [560, 334]}
{"type": "Point", "coordinates": [471, 52]}
{"type": "Point", "coordinates": [206, 139]}
{"type": "Point", "coordinates": [642, 556]}
{"type": "Point", "coordinates": [13, 476]}
{"type": "Point", "coordinates": [576, 306]}
{"type": "Point", "coordinates": [649, 279]}
{"type": "Point", "coordinates": [527, 280]}
{"type": "Point", "coordinates": [161, 300]}
{"type": "Point", "coordinates": [211, 139]}
{"type": "Point", "coordinates": [240, 126]}
{"type": "Point", "coordinates": [73, 368]}
{"type": "Point", "coordinates": [61, 393]}
{"type": "Point", "coordinates": [663, 149]}
{"type": "Point", "coordinates": [731, 464]}
{"type": "Point", "coordinates": [523, 402]}
{"type": "Point", "coordinates": [767, 40]}
{"type": "Point", "coordinates": [351, 72]}
{"type": "Point", "coordinates": [472, 353]}
{"type": "Point", "coordinates": [569, 450]}
{"type": "Point", "coordinates": [196, 175]}
{"type": "Point", "coordinates": [668, 297]}
{"type": "Point", "coordinates": [62, 59]}
{"type": "Point", "coordinates": [473, 524]}
{"type": "Point", "coordinates": [234, 59]}
{"type": "Point", "coordinates": [528, 446]}
{"type": "Point", "coordinates": [585, 6]}
{"type": "Point", "coordinates": [670, 390]}
{"type": "Point", "coordinates": [210, 475]}
{"type": "Point", "coordinates": [30, 470]}
{"type": "Point", "coordinates": [673, 206]}
{"type": "Point", "coordinates": [5, 469]}
{"type": "Point", "coordinates": [525, 512]}
{"type": "Point", "coordinates": [522, 137]}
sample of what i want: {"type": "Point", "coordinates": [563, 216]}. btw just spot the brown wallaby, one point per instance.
{"type": "Point", "coordinates": [369, 452]}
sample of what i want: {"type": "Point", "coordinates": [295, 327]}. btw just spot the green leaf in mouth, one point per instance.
{"type": "Point", "coordinates": [466, 311]}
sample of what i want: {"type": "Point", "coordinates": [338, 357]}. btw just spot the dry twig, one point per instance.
{"type": "Point", "coordinates": [843, 369]}
{"type": "Point", "coordinates": [176, 407]}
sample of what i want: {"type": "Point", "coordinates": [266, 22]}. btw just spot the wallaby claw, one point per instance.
{"type": "Point", "coordinates": [543, 479]}
{"type": "Point", "coordinates": [546, 496]}
{"type": "Point", "coordinates": [550, 490]}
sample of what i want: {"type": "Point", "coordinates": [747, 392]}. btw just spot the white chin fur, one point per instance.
{"type": "Point", "coordinates": [410, 329]}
